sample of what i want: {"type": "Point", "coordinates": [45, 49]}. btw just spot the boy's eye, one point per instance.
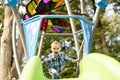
{"type": "Point", "coordinates": [57, 48]}
{"type": "Point", "coordinates": [54, 48]}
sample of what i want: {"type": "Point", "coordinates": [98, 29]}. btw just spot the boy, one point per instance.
{"type": "Point", "coordinates": [56, 60]}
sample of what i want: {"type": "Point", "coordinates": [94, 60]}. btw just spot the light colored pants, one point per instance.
{"type": "Point", "coordinates": [53, 72]}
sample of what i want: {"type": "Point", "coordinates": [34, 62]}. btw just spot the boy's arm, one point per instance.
{"type": "Point", "coordinates": [75, 60]}
{"type": "Point", "coordinates": [46, 60]}
{"type": "Point", "coordinates": [70, 59]}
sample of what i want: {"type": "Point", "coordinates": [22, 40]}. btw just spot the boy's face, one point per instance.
{"type": "Point", "coordinates": [55, 48]}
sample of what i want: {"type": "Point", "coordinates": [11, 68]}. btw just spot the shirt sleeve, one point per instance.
{"type": "Point", "coordinates": [68, 59]}
{"type": "Point", "coordinates": [46, 60]}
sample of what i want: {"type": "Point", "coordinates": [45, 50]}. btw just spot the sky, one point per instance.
{"type": "Point", "coordinates": [109, 9]}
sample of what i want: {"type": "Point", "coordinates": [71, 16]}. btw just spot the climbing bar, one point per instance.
{"type": "Point", "coordinates": [53, 34]}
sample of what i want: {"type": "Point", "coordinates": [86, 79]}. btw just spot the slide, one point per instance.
{"type": "Point", "coordinates": [94, 66]}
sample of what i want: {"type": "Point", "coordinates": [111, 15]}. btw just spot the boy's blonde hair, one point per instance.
{"type": "Point", "coordinates": [55, 42]}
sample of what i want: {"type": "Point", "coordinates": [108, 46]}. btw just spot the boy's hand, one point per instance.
{"type": "Point", "coordinates": [76, 60]}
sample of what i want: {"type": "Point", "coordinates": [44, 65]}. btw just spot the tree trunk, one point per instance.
{"type": "Point", "coordinates": [7, 63]}
{"type": "Point", "coordinates": [6, 46]}
{"type": "Point", "coordinates": [104, 44]}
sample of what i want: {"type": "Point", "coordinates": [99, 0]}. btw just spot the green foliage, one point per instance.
{"type": "Point", "coordinates": [1, 18]}
{"type": "Point", "coordinates": [109, 29]}
{"type": "Point", "coordinates": [1, 31]}
{"type": "Point", "coordinates": [70, 68]}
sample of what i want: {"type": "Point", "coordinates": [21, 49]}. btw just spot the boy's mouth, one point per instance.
{"type": "Point", "coordinates": [56, 52]}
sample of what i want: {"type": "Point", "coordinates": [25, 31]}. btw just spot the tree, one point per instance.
{"type": "Point", "coordinates": [110, 24]}
{"type": "Point", "coordinates": [6, 46]}
{"type": "Point", "coordinates": [108, 32]}
{"type": "Point", "coordinates": [7, 64]}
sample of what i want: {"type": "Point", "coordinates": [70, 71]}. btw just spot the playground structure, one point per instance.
{"type": "Point", "coordinates": [33, 69]}
{"type": "Point", "coordinates": [35, 21]}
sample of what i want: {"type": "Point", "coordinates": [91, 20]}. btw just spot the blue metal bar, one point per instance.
{"type": "Point", "coordinates": [11, 3]}
{"type": "Point", "coordinates": [37, 17]}
{"type": "Point", "coordinates": [32, 19]}
{"type": "Point", "coordinates": [82, 20]}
